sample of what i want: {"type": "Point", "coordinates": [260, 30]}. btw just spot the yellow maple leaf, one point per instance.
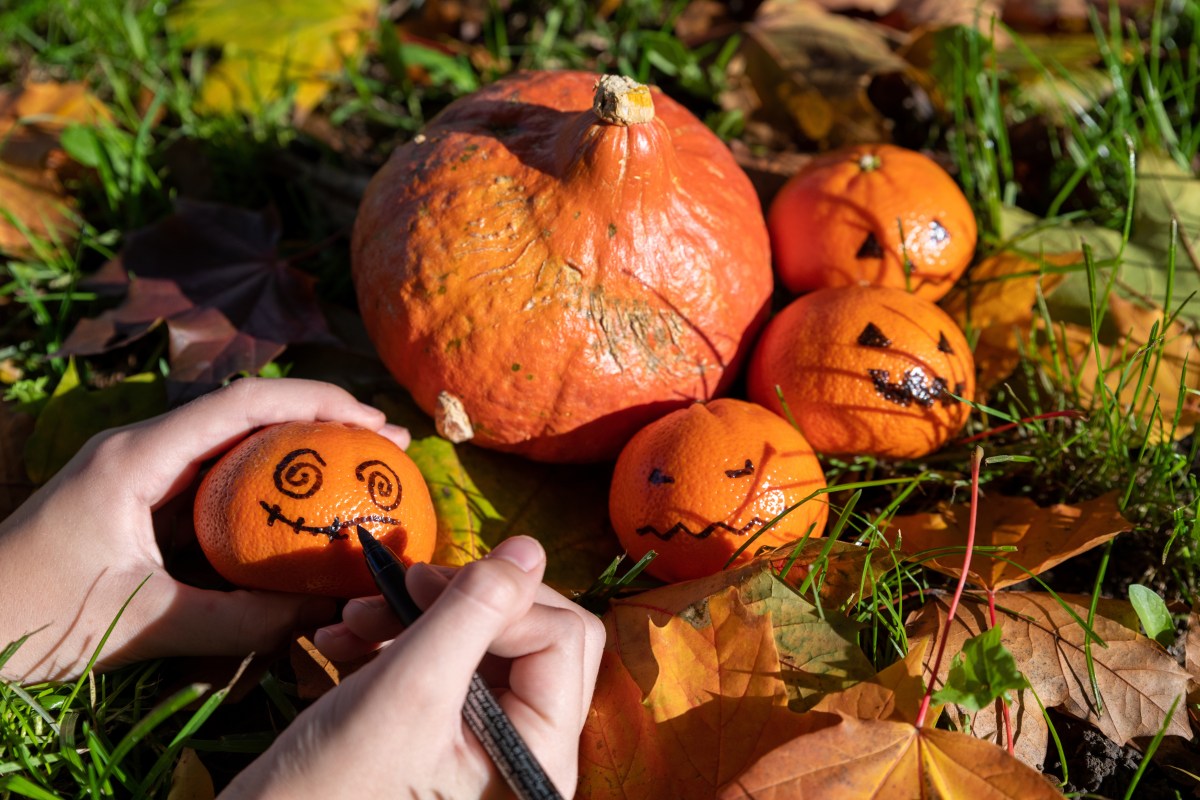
{"type": "Point", "coordinates": [267, 46]}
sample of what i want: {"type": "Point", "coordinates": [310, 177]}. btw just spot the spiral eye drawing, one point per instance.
{"type": "Point", "coordinates": [298, 478]}
{"type": "Point", "coordinates": [383, 484]}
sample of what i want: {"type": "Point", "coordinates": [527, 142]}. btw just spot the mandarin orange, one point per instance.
{"type": "Point", "coordinates": [866, 370]}
{"type": "Point", "coordinates": [279, 510]}
{"type": "Point", "coordinates": [861, 214]}
{"type": "Point", "coordinates": [695, 485]}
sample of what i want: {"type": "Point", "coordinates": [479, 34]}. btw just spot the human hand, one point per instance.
{"type": "Point", "coordinates": [76, 550]}
{"type": "Point", "coordinates": [395, 728]}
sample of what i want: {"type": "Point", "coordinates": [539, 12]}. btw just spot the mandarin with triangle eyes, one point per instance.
{"type": "Point", "coordinates": [865, 370]}
{"type": "Point", "coordinates": [279, 510]}
{"type": "Point", "coordinates": [872, 214]}
{"type": "Point", "coordinates": [697, 484]}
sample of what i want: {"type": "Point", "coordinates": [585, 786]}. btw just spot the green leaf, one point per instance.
{"type": "Point", "coordinates": [1152, 611]}
{"type": "Point", "coordinates": [73, 415]}
{"type": "Point", "coordinates": [982, 672]}
{"type": "Point", "coordinates": [1142, 263]}
{"type": "Point", "coordinates": [483, 497]}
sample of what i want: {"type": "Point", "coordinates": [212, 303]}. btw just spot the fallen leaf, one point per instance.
{"type": "Point", "coordinates": [717, 703]}
{"type": "Point", "coordinates": [34, 203]}
{"type": "Point", "coordinates": [895, 693]}
{"type": "Point", "coordinates": [1043, 537]}
{"type": "Point", "coordinates": [212, 274]}
{"type": "Point", "coordinates": [1138, 680]}
{"type": "Point", "coordinates": [267, 48]}
{"type": "Point", "coordinates": [886, 759]}
{"type": "Point", "coordinates": [818, 651]}
{"type": "Point", "coordinates": [804, 69]}
{"type": "Point", "coordinates": [939, 14]}
{"type": "Point", "coordinates": [190, 779]}
{"type": "Point", "coordinates": [316, 674]}
{"type": "Point", "coordinates": [482, 498]}
{"type": "Point", "coordinates": [996, 302]}
{"type": "Point", "coordinates": [844, 576]}
{"type": "Point", "coordinates": [73, 414]}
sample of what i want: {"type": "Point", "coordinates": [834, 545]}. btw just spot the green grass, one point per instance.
{"type": "Point", "coordinates": [120, 733]}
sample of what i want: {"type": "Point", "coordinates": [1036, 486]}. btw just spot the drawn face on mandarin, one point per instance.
{"type": "Point", "coordinates": [865, 370]}
{"type": "Point", "coordinates": [300, 474]}
{"type": "Point", "coordinates": [697, 484]}
{"type": "Point", "coordinates": [278, 510]}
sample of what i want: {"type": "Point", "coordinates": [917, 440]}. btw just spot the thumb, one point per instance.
{"type": "Point", "coordinates": [207, 622]}
{"type": "Point", "coordinates": [481, 601]}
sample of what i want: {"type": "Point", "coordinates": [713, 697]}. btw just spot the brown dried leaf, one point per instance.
{"type": "Point", "coordinates": [886, 759]}
{"type": "Point", "coordinates": [32, 196]}
{"type": "Point", "coordinates": [805, 69]}
{"type": "Point", "coordinates": [1138, 680]}
{"type": "Point", "coordinates": [818, 651]}
{"type": "Point", "coordinates": [894, 694]}
{"type": "Point", "coordinates": [997, 300]}
{"type": "Point", "coordinates": [212, 274]}
{"type": "Point", "coordinates": [1043, 537]}
{"type": "Point", "coordinates": [1126, 331]}
{"type": "Point", "coordinates": [718, 702]}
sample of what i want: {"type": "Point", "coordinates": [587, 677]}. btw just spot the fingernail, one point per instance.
{"type": "Point", "coordinates": [397, 433]}
{"type": "Point", "coordinates": [369, 603]}
{"type": "Point", "coordinates": [317, 610]}
{"type": "Point", "coordinates": [522, 551]}
{"type": "Point", "coordinates": [338, 631]}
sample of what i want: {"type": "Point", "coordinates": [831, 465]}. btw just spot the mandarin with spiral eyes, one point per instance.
{"type": "Point", "coordinates": [698, 484]}
{"type": "Point", "coordinates": [279, 510]}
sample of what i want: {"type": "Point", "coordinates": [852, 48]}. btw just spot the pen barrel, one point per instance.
{"type": "Point", "coordinates": [504, 744]}
{"type": "Point", "coordinates": [390, 580]}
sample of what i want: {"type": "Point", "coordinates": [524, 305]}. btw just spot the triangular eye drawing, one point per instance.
{"type": "Point", "coordinates": [869, 248]}
{"type": "Point", "coordinates": [871, 336]}
{"type": "Point", "coordinates": [944, 344]}
{"type": "Point", "coordinates": [298, 478]}
{"type": "Point", "coordinates": [658, 477]}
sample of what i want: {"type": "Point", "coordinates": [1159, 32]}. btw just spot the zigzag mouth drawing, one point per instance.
{"type": "Point", "coordinates": [333, 530]}
{"type": "Point", "coordinates": [707, 531]}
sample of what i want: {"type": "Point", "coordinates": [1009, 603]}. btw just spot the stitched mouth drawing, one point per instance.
{"type": "Point", "coordinates": [333, 530]}
{"type": "Point", "coordinates": [704, 533]}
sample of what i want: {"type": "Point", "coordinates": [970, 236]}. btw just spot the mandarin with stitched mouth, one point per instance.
{"type": "Point", "coordinates": [698, 484]}
{"type": "Point", "coordinates": [278, 510]}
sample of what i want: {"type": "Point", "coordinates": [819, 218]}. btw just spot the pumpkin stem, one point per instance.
{"type": "Point", "coordinates": [622, 101]}
{"type": "Point", "coordinates": [869, 162]}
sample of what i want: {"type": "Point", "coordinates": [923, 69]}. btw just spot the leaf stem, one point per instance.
{"type": "Point", "coordinates": [1001, 704]}
{"type": "Point", "coordinates": [976, 461]}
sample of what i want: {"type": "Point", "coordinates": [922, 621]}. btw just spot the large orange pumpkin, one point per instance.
{"type": "Point", "coordinates": [872, 213]}
{"type": "Point", "coordinates": [697, 484]}
{"type": "Point", "coordinates": [556, 262]}
{"type": "Point", "coordinates": [866, 370]}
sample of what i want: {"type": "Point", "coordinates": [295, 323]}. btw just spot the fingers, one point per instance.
{"type": "Point", "coordinates": [204, 622]}
{"type": "Point", "coordinates": [483, 600]}
{"type": "Point", "coordinates": [169, 447]}
{"type": "Point", "coordinates": [367, 622]}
